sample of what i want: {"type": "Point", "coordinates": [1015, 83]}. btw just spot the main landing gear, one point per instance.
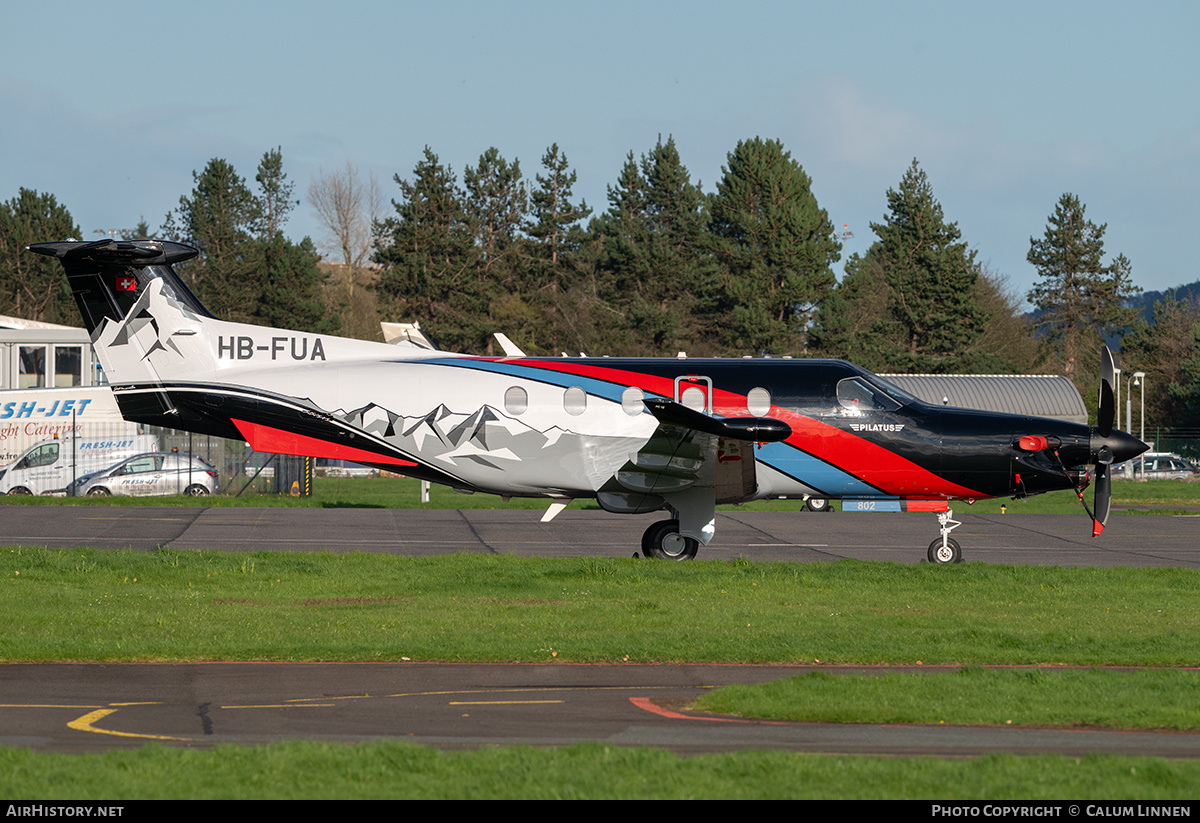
{"type": "Point", "coordinates": [945, 549]}
{"type": "Point", "coordinates": [662, 541]}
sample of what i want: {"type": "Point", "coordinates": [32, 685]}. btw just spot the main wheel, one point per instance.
{"type": "Point", "coordinates": [99, 491]}
{"type": "Point", "coordinates": [195, 490]}
{"type": "Point", "coordinates": [817, 504]}
{"type": "Point", "coordinates": [950, 553]}
{"type": "Point", "coordinates": [19, 490]}
{"type": "Point", "coordinates": [663, 541]}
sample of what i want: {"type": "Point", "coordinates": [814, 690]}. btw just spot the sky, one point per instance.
{"type": "Point", "coordinates": [111, 106]}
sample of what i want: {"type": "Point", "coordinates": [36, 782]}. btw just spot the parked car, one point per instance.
{"type": "Point", "coordinates": [153, 473]}
{"type": "Point", "coordinates": [1159, 466]}
{"type": "Point", "coordinates": [48, 466]}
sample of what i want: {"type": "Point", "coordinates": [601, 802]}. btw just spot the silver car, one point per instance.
{"type": "Point", "coordinates": [1160, 466]}
{"type": "Point", "coordinates": [154, 473]}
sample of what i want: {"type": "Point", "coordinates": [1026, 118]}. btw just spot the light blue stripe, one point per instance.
{"type": "Point", "coordinates": [813, 472]}
{"type": "Point", "coordinates": [591, 385]}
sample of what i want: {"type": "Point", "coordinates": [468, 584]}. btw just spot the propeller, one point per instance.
{"type": "Point", "coordinates": [1106, 411]}
{"type": "Point", "coordinates": [1103, 446]}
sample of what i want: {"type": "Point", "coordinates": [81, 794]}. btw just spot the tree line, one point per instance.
{"type": "Point", "coordinates": [747, 269]}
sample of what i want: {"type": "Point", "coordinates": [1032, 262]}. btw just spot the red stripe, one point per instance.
{"type": "Point", "coordinates": [277, 441]}
{"type": "Point", "coordinates": [869, 461]}
{"type": "Point", "coordinates": [927, 506]}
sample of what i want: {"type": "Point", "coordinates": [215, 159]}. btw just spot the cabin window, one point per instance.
{"type": "Point", "coordinates": [516, 400]}
{"type": "Point", "coordinates": [631, 401]}
{"type": "Point", "coordinates": [575, 401]}
{"type": "Point", "coordinates": [758, 402]}
{"type": "Point", "coordinates": [693, 398]}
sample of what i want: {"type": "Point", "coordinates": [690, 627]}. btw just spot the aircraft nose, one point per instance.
{"type": "Point", "coordinates": [1123, 446]}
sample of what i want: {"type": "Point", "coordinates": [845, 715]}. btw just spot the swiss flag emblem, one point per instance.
{"type": "Point", "coordinates": [126, 283]}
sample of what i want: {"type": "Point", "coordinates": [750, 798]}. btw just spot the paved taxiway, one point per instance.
{"type": "Point", "coordinates": [1055, 539]}
{"type": "Point", "coordinates": [81, 707]}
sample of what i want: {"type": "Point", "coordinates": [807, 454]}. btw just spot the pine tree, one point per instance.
{"type": "Point", "coordinates": [1165, 350]}
{"type": "Point", "coordinates": [850, 323]}
{"type": "Point", "coordinates": [494, 201]}
{"type": "Point", "coordinates": [291, 287]}
{"type": "Point", "coordinates": [220, 217]}
{"type": "Point", "coordinates": [657, 271]}
{"type": "Point", "coordinates": [428, 256]}
{"type": "Point", "coordinates": [777, 248]}
{"type": "Point", "coordinates": [1078, 297]}
{"type": "Point", "coordinates": [555, 218]}
{"type": "Point", "coordinates": [276, 199]}
{"type": "Point", "coordinates": [495, 205]}
{"type": "Point", "coordinates": [30, 287]}
{"type": "Point", "coordinates": [553, 266]}
{"type": "Point", "coordinates": [931, 278]}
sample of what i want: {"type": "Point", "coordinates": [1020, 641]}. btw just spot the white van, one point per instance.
{"type": "Point", "coordinates": [52, 465]}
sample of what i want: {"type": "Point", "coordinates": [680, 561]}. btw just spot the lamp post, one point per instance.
{"type": "Point", "coordinates": [1134, 379]}
{"type": "Point", "coordinates": [1142, 413]}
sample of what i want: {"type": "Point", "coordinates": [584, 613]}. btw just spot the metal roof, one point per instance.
{"type": "Point", "coordinates": [1041, 395]}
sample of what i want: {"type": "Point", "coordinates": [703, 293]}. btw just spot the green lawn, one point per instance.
{"type": "Point", "coordinates": [399, 770]}
{"type": "Point", "coordinates": [187, 605]}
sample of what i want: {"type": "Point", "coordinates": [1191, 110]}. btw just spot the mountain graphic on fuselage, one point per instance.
{"type": "Point", "coordinates": [485, 436]}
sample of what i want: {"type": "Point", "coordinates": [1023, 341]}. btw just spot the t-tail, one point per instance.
{"type": "Point", "coordinates": [171, 362]}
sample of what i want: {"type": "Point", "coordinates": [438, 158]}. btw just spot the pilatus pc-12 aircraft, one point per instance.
{"type": "Point", "coordinates": [638, 435]}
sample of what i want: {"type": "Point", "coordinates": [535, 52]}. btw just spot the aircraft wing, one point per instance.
{"type": "Point", "coordinates": [690, 463]}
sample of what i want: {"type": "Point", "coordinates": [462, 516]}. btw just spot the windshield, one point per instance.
{"type": "Point", "coordinates": [895, 392]}
{"type": "Point", "coordinates": [857, 395]}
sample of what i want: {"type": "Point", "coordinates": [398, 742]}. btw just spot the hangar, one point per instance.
{"type": "Point", "coordinates": [1040, 395]}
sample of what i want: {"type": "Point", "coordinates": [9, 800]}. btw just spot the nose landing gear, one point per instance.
{"type": "Point", "coordinates": [945, 549]}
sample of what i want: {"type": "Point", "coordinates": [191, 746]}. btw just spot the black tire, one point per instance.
{"type": "Point", "coordinates": [817, 504]}
{"type": "Point", "coordinates": [662, 541]}
{"type": "Point", "coordinates": [195, 490]}
{"type": "Point", "coordinates": [951, 554]}
{"type": "Point", "coordinates": [19, 490]}
{"type": "Point", "coordinates": [99, 491]}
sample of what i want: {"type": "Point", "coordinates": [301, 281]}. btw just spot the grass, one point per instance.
{"type": "Point", "coordinates": [1069, 698]}
{"type": "Point", "coordinates": [401, 770]}
{"type": "Point", "coordinates": [189, 605]}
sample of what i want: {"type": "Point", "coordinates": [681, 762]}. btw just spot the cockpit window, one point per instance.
{"type": "Point", "coordinates": [856, 396]}
{"type": "Point", "coordinates": [895, 392]}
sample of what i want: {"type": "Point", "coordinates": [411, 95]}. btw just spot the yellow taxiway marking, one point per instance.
{"type": "Point", "coordinates": [283, 706]}
{"type": "Point", "coordinates": [84, 724]}
{"type": "Point", "coordinates": [44, 706]}
{"type": "Point", "coordinates": [499, 702]}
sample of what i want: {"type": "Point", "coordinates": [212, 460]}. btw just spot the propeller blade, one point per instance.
{"type": "Point", "coordinates": [1103, 499]}
{"type": "Point", "coordinates": [1107, 405]}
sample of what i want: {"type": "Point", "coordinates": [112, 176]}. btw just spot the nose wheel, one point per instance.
{"type": "Point", "coordinates": [945, 549]}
